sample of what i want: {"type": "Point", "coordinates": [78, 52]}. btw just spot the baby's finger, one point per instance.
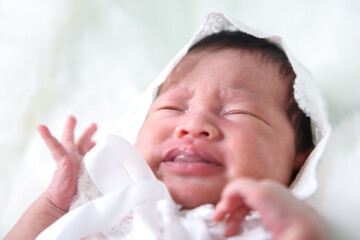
{"type": "Point", "coordinates": [84, 144]}
{"type": "Point", "coordinates": [234, 221]}
{"type": "Point", "coordinates": [55, 147]}
{"type": "Point", "coordinates": [229, 202]}
{"type": "Point", "coordinates": [219, 214]}
{"type": "Point", "coordinates": [68, 135]}
{"type": "Point", "coordinates": [92, 144]}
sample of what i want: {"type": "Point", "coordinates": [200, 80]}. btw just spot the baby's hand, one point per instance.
{"type": "Point", "coordinates": [68, 156]}
{"type": "Point", "coordinates": [284, 216]}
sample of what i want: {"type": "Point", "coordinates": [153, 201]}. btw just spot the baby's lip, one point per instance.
{"type": "Point", "coordinates": [191, 155]}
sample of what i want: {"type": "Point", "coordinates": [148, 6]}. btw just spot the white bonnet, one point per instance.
{"type": "Point", "coordinates": [306, 94]}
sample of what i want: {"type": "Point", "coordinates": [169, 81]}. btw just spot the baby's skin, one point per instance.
{"type": "Point", "coordinates": [217, 129]}
{"type": "Point", "coordinates": [284, 216]}
{"type": "Point", "coordinates": [56, 200]}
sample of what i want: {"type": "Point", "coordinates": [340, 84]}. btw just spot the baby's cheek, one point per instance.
{"type": "Point", "coordinates": [245, 158]}
{"type": "Point", "coordinates": [139, 145]}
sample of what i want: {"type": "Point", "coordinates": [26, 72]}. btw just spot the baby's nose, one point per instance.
{"type": "Point", "coordinates": [197, 127]}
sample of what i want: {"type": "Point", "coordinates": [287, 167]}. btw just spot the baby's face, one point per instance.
{"type": "Point", "coordinates": [220, 115]}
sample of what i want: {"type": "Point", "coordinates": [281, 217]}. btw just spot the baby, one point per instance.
{"type": "Point", "coordinates": [223, 129]}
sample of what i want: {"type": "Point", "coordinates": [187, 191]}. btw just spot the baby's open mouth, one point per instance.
{"type": "Point", "coordinates": [190, 158]}
{"type": "Point", "coordinates": [190, 161]}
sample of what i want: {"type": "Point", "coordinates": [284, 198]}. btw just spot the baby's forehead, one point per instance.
{"type": "Point", "coordinates": [253, 60]}
{"type": "Point", "coordinates": [186, 65]}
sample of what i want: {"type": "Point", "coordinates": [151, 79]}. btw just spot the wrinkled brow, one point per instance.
{"type": "Point", "coordinates": [166, 85]}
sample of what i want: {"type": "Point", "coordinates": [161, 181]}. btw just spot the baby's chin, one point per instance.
{"type": "Point", "coordinates": [191, 203]}
{"type": "Point", "coordinates": [193, 196]}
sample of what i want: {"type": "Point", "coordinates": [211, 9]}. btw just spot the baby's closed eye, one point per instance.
{"type": "Point", "coordinates": [237, 115]}
{"type": "Point", "coordinates": [168, 110]}
{"type": "Point", "coordinates": [172, 108]}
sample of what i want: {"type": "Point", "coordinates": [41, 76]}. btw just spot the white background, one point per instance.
{"type": "Point", "coordinates": [91, 58]}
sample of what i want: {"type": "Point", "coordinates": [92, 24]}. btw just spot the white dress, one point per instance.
{"type": "Point", "coordinates": [128, 202]}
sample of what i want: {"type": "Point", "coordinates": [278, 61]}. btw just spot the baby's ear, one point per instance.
{"type": "Point", "coordinates": [300, 159]}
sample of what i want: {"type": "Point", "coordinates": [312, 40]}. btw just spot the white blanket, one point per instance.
{"type": "Point", "coordinates": [64, 57]}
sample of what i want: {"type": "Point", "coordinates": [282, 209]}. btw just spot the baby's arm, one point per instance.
{"type": "Point", "coordinates": [284, 216]}
{"type": "Point", "coordinates": [56, 200]}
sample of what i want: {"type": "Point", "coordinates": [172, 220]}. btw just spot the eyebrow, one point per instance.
{"type": "Point", "coordinates": [162, 88]}
{"type": "Point", "coordinates": [165, 86]}
{"type": "Point", "coordinates": [236, 85]}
